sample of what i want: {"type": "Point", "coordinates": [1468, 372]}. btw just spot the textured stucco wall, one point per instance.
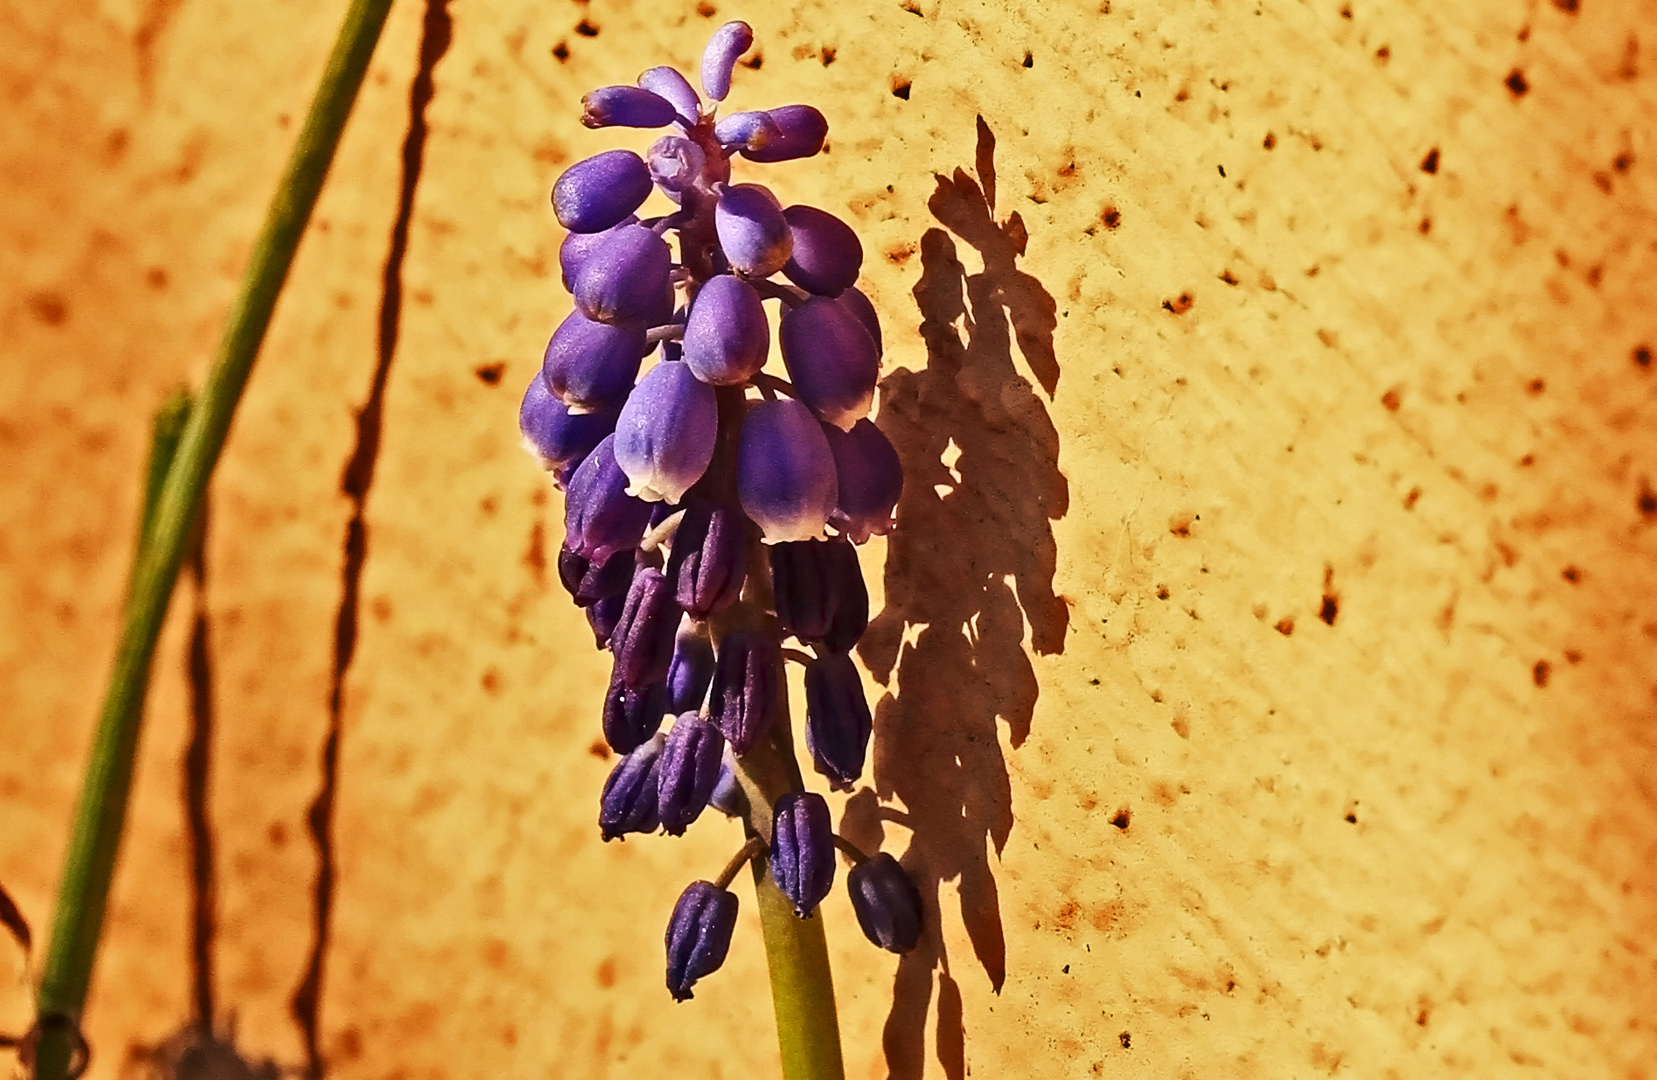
{"type": "Point", "coordinates": [1269, 664]}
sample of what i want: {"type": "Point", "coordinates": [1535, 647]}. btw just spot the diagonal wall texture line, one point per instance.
{"type": "Point", "coordinates": [435, 35]}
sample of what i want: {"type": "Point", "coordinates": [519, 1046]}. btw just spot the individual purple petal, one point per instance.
{"type": "Point", "coordinates": [855, 303]}
{"type": "Point", "coordinates": [598, 192]}
{"type": "Point", "coordinates": [837, 720]}
{"type": "Point", "coordinates": [831, 360]}
{"type": "Point", "coordinates": [727, 336]}
{"type": "Point", "coordinates": [624, 280]}
{"type": "Point", "coordinates": [728, 42]}
{"type": "Point", "coordinates": [689, 770]}
{"type": "Point", "coordinates": [668, 83]}
{"type": "Point", "coordinates": [577, 246]}
{"type": "Point", "coordinates": [749, 222]}
{"type": "Point", "coordinates": [630, 800]}
{"type": "Point", "coordinates": [784, 471]}
{"type": "Point", "coordinates": [691, 671]}
{"type": "Point", "coordinates": [588, 582]}
{"type": "Point", "coordinates": [802, 849]}
{"type": "Point", "coordinates": [745, 131]}
{"type": "Point", "coordinates": [710, 558]}
{"type": "Point", "coordinates": [851, 605]}
{"type": "Point", "coordinates": [632, 716]}
{"type": "Point", "coordinates": [643, 640]}
{"type": "Point", "coordinates": [727, 795]}
{"type": "Point", "coordinates": [559, 439]}
{"type": "Point", "coordinates": [698, 936]}
{"type": "Point", "coordinates": [887, 904]}
{"type": "Point", "coordinates": [600, 518]}
{"type": "Point", "coordinates": [666, 433]}
{"type": "Point", "coordinates": [827, 254]}
{"type": "Point", "coordinates": [743, 701]}
{"type": "Point", "coordinates": [590, 366]}
{"type": "Point", "coordinates": [870, 478]}
{"type": "Point", "coordinates": [602, 616]}
{"type": "Point", "coordinates": [799, 133]}
{"type": "Point", "coordinates": [675, 165]}
{"type": "Point", "coordinates": [626, 106]}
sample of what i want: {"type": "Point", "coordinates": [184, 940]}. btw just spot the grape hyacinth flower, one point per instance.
{"type": "Point", "coordinates": [713, 508]}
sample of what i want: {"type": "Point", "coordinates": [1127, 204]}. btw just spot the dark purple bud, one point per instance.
{"type": "Point", "coordinates": [675, 164]}
{"type": "Point", "coordinates": [559, 439]}
{"type": "Point", "coordinates": [801, 589]}
{"type": "Point", "coordinates": [784, 471]}
{"type": "Point", "coordinates": [698, 936]}
{"type": "Point", "coordinates": [743, 701]}
{"type": "Point", "coordinates": [887, 904]}
{"type": "Point", "coordinates": [600, 518]}
{"type": "Point", "coordinates": [802, 850]}
{"type": "Point", "coordinates": [727, 795]}
{"type": "Point", "coordinates": [643, 639]}
{"type": "Point", "coordinates": [727, 44]}
{"type": "Point", "coordinates": [588, 582]}
{"type": "Point", "coordinates": [577, 246]}
{"type": "Point", "coordinates": [870, 479]}
{"type": "Point", "coordinates": [831, 360]}
{"type": "Point", "coordinates": [590, 366]}
{"type": "Point", "coordinates": [666, 82]}
{"type": "Point", "coordinates": [827, 254]}
{"type": "Point", "coordinates": [853, 301]}
{"type": "Point", "coordinates": [691, 671]}
{"type": "Point", "coordinates": [745, 131]}
{"type": "Point", "coordinates": [599, 191]}
{"type": "Point", "coordinates": [851, 597]}
{"type": "Point", "coordinates": [631, 717]}
{"type": "Point", "coordinates": [710, 558]}
{"type": "Point", "coordinates": [629, 802]}
{"type": "Point", "coordinates": [602, 616]}
{"type": "Point", "coordinates": [837, 721]}
{"type": "Point", "coordinates": [626, 106]}
{"type": "Point", "coordinates": [690, 768]}
{"type": "Point", "coordinates": [800, 131]}
{"type": "Point", "coordinates": [625, 280]}
{"type": "Point", "coordinates": [751, 229]}
{"type": "Point", "coordinates": [666, 433]}
{"type": "Point", "coordinates": [727, 336]}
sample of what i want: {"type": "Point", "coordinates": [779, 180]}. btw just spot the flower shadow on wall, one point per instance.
{"type": "Point", "coordinates": [971, 563]}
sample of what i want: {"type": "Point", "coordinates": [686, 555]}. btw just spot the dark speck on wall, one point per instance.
{"type": "Point", "coordinates": [1429, 164]}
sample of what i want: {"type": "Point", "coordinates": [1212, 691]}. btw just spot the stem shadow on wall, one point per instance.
{"type": "Point", "coordinates": [970, 564]}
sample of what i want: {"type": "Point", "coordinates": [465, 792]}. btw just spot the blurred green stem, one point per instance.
{"type": "Point", "coordinates": [170, 519]}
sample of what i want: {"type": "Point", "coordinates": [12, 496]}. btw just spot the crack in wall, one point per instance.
{"type": "Point", "coordinates": [197, 774]}
{"type": "Point", "coordinates": [437, 30]}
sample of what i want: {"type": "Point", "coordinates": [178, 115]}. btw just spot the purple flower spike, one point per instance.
{"type": "Point", "coordinates": [598, 192]}
{"type": "Point", "coordinates": [690, 768]}
{"type": "Point", "coordinates": [698, 936]}
{"type": "Point", "coordinates": [743, 702]}
{"type": "Point", "coordinates": [590, 366]}
{"type": "Point", "coordinates": [710, 558]}
{"type": "Point", "coordinates": [827, 254]}
{"type": "Point", "coordinates": [559, 439]}
{"type": "Point", "coordinates": [870, 477]}
{"type": "Point", "coordinates": [751, 229]}
{"type": "Point", "coordinates": [625, 280]}
{"type": "Point", "coordinates": [857, 305]}
{"type": "Point", "coordinates": [629, 802]}
{"type": "Point", "coordinates": [802, 850]}
{"type": "Point", "coordinates": [666, 433]}
{"type": "Point", "coordinates": [691, 672]}
{"type": "Point", "coordinates": [784, 471]}
{"type": "Point", "coordinates": [728, 42]}
{"type": "Point", "coordinates": [831, 359]}
{"type": "Point", "coordinates": [745, 131]}
{"type": "Point", "coordinates": [675, 164]}
{"type": "Point", "coordinates": [588, 582]}
{"type": "Point", "coordinates": [631, 717]}
{"type": "Point", "coordinates": [666, 82]}
{"type": "Point", "coordinates": [727, 336]}
{"type": "Point", "coordinates": [603, 615]}
{"type": "Point", "coordinates": [800, 131]}
{"type": "Point", "coordinates": [643, 639]}
{"type": "Point", "coordinates": [837, 721]}
{"type": "Point", "coordinates": [887, 904]}
{"type": "Point", "coordinates": [577, 246]}
{"type": "Point", "coordinates": [600, 518]}
{"type": "Point", "coordinates": [626, 106]}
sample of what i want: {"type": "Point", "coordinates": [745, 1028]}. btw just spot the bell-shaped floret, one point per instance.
{"type": "Point", "coordinates": [837, 720]}
{"type": "Point", "coordinates": [675, 164]}
{"type": "Point", "coordinates": [631, 716]}
{"type": "Point", "coordinates": [666, 432]}
{"type": "Point", "coordinates": [745, 131]}
{"type": "Point", "coordinates": [600, 518]}
{"type": "Point", "coordinates": [666, 82]}
{"type": "Point", "coordinates": [624, 281]}
{"type": "Point", "coordinates": [799, 133]}
{"type": "Point", "coordinates": [858, 306]}
{"type": "Point", "coordinates": [743, 701]}
{"type": "Point", "coordinates": [818, 590]}
{"type": "Point", "coordinates": [690, 768]}
{"type": "Point", "coordinates": [870, 478]}
{"type": "Point", "coordinates": [577, 246]}
{"type": "Point", "coordinates": [727, 335]}
{"type": "Point", "coordinates": [691, 672]}
{"type": "Point", "coordinates": [710, 558]}
{"type": "Point", "coordinates": [698, 936]}
{"type": "Point", "coordinates": [802, 850]}
{"type": "Point", "coordinates": [727, 44]}
{"type": "Point", "coordinates": [851, 606]}
{"type": "Point", "coordinates": [590, 366]}
{"type": "Point", "coordinates": [588, 582]}
{"type": "Point", "coordinates": [887, 904]}
{"type": "Point", "coordinates": [602, 616]}
{"type": "Point", "coordinates": [643, 640]}
{"type": "Point", "coordinates": [751, 229]}
{"type": "Point", "coordinates": [559, 439]}
{"type": "Point", "coordinates": [630, 800]}
{"type": "Point", "coordinates": [827, 254]}
{"type": "Point", "coordinates": [831, 360]}
{"type": "Point", "coordinates": [784, 471]}
{"type": "Point", "coordinates": [626, 106]}
{"type": "Point", "coordinates": [598, 192]}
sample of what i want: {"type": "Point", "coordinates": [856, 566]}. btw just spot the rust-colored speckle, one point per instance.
{"type": "Point", "coordinates": [1285, 625]}
{"type": "Point", "coordinates": [1429, 164]}
{"type": "Point", "coordinates": [1539, 674]}
{"type": "Point", "coordinates": [1180, 304]}
{"type": "Point", "coordinates": [1393, 399]}
{"type": "Point", "coordinates": [1516, 83]}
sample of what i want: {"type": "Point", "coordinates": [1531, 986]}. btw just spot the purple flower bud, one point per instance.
{"type": "Point", "coordinates": [559, 439]}
{"type": "Point", "coordinates": [666, 82]}
{"type": "Point", "coordinates": [743, 702]}
{"type": "Point", "coordinates": [831, 360]}
{"type": "Point", "coordinates": [745, 131]}
{"type": "Point", "coordinates": [626, 106]}
{"type": "Point", "coordinates": [631, 716]}
{"type": "Point", "coordinates": [588, 582]}
{"type": "Point", "coordinates": [749, 222]}
{"type": "Point", "coordinates": [691, 671]}
{"type": "Point", "coordinates": [625, 279]}
{"type": "Point", "coordinates": [837, 721]}
{"type": "Point", "coordinates": [675, 164]}
{"type": "Point", "coordinates": [666, 433]}
{"type": "Point", "coordinates": [629, 802]}
{"type": "Point", "coordinates": [827, 254]}
{"type": "Point", "coordinates": [600, 518]}
{"type": "Point", "coordinates": [784, 471]}
{"type": "Point", "coordinates": [643, 640]}
{"type": "Point", "coordinates": [690, 768]}
{"type": "Point", "coordinates": [800, 131]}
{"type": "Point", "coordinates": [727, 795]}
{"type": "Point", "coordinates": [801, 589]}
{"type": "Point", "coordinates": [870, 479]}
{"type": "Point", "coordinates": [802, 850]}
{"type": "Point", "coordinates": [590, 366]}
{"type": "Point", "coordinates": [854, 302]}
{"type": "Point", "coordinates": [728, 42]}
{"type": "Point", "coordinates": [602, 616]}
{"type": "Point", "coordinates": [887, 904]}
{"type": "Point", "coordinates": [710, 558]}
{"type": "Point", "coordinates": [599, 191]}
{"type": "Point", "coordinates": [698, 936]}
{"type": "Point", "coordinates": [851, 605]}
{"type": "Point", "coordinates": [727, 336]}
{"type": "Point", "coordinates": [577, 246]}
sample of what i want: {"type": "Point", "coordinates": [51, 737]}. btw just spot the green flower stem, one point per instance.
{"type": "Point", "coordinates": [99, 817]}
